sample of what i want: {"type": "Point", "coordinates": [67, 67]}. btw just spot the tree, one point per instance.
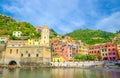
{"type": "Point", "coordinates": [91, 57]}
{"type": "Point", "coordinates": [99, 57]}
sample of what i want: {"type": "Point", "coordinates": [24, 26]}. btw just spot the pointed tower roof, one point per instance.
{"type": "Point", "coordinates": [45, 26]}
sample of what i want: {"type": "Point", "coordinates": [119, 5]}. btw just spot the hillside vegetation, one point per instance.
{"type": "Point", "coordinates": [8, 25]}
{"type": "Point", "coordinates": [91, 36]}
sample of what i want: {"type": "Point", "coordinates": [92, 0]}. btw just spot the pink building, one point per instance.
{"type": "Point", "coordinates": [69, 51]}
{"type": "Point", "coordinates": [65, 52]}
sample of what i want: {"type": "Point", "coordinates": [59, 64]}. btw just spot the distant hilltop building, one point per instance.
{"type": "Point", "coordinates": [17, 33]}
{"type": "Point", "coordinates": [38, 29]}
{"type": "Point", "coordinates": [45, 36]}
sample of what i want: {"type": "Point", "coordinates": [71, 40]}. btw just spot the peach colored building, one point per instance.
{"type": "Point", "coordinates": [94, 50]}
{"type": "Point", "coordinates": [12, 54]}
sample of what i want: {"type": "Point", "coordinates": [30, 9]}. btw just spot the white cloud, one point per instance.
{"type": "Point", "coordinates": [110, 23]}
{"type": "Point", "coordinates": [63, 16]}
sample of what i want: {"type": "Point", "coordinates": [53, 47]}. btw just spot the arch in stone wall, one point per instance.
{"type": "Point", "coordinates": [12, 62]}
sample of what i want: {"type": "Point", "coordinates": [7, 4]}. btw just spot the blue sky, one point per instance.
{"type": "Point", "coordinates": [64, 16]}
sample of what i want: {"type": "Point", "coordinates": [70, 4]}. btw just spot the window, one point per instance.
{"type": "Point", "coordinates": [103, 54]}
{"type": "Point", "coordinates": [102, 50]}
{"type": "Point", "coordinates": [113, 49]}
{"type": "Point", "coordinates": [28, 55]}
{"type": "Point", "coordinates": [105, 50]}
{"type": "Point", "coordinates": [106, 54]}
{"type": "Point", "coordinates": [17, 51]}
{"type": "Point", "coordinates": [37, 55]}
{"type": "Point", "coordinates": [21, 55]}
{"type": "Point", "coordinates": [106, 46]}
{"type": "Point", "coordinates": [10, 51]}
{"type": "Point", "coordinates": [98, 51]}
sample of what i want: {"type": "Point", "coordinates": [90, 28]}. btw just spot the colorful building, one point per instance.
{"type": "Point", "coordinates": [65, 51]}
{"type": "Point", "coordinates": [118, 47]}
{"type": "Point", "coordinates": [69, 51]}
{"type": "Point", "coordinates": [58, 59]}
{"type": "Point", "coordinates": [94, 50]}
{"type": "Point", "coordinates": [108, 51]}
{"type": "Point", "coordinates": [82, 48]}
{"type": "Point", "coordinates": [57, 46]}
{"type": "Point", "coordinates": [33, 42]}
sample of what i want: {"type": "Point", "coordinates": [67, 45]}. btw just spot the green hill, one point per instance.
{"type": "Point", "coordinates": [116, 39]}
{"type": "Point", "coordinates": [8, 25]}
{"type": "Point", "coordinates": [91, 36]}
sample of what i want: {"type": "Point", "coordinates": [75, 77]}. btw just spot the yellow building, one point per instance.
{"type": "Point", "coordinates": [118, 47]}
{"type": "Point", "coordinates": [33, 42]}
{"type": "Point", "coordinates": [35, 54]}
{"type": "Point", "coordinates": [58, 59]}
{"type": "Point", "coordinates": [83, 48]}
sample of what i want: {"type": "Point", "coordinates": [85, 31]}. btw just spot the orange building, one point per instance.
{"type": "Point", "coordinates": [57, 46]}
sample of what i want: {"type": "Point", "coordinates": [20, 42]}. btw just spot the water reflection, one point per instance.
{"type": "Point", "coordinates": [60, 73]}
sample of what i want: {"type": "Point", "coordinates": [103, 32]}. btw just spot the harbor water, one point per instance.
{"type": "Point", "coordinates": [98, 72]}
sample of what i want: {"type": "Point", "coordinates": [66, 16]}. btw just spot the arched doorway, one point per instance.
{"type": "Point", "coordinates": [12, 63]}
{"type": "Point", "coordinates": [105, 58]}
